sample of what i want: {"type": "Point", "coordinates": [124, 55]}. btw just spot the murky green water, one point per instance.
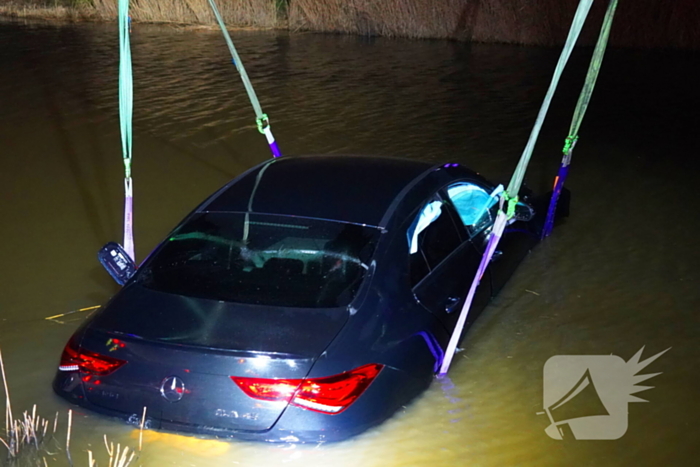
{"type": "Point", "coordinates": [620, 274]}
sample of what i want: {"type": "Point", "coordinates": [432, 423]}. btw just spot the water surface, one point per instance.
{"type": "Point", "coordinates": [620, 274]}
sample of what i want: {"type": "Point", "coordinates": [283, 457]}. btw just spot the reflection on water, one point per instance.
{"type": "Point", "coordinates": [619, 274]}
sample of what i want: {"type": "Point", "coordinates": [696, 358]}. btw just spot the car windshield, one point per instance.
{"type": "Point", "coordinates": [262, 259]}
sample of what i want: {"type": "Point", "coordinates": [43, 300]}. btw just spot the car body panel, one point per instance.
{"type": "Point", "coordinates": [164, 317]}
{"type": "Point", "coordinates": [397, 318]}
{"type": "Point", "coordinates": [363, 180]}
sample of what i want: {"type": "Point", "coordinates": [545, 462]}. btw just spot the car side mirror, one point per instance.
{"type": "Point", "coordinates": [117, 262]}
{"type": "Point", "coordinates": [523, 212]}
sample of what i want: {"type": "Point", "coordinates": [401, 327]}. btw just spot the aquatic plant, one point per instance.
{"type": "Point", "coordinates": [27, 438]}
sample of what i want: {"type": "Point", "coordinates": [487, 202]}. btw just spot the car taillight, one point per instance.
{"type": "Point", "coordinates": [268, 389]}
{"type": "Point", "coordinates": [331, 394]}
{"type": "Point", "coordinates": [74, 358]}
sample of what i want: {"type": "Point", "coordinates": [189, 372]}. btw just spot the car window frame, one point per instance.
{"type": "Point", "coordinates": [473, 234]}
{"type": "Point", "coordinates": [458, 227]}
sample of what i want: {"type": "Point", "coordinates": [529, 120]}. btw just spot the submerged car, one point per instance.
{"type": "Point", "coordinates": [305, 301]}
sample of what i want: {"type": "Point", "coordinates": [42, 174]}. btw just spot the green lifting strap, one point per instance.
{"type": "Point", "coordinates": [591, 77]}
{"type": "Point", "coordinates": [577, 118]}
{"type": "Point", "coordinates": [576, 26]}
{"type": "Point", "coordinates": [511, 195]}
{"type": "Point", "coordinates": [126, 104]}
{"type": "Point", "coordinates": [261, 119]}
{"type": "Point", "coordinates": [260, 116]}
{"type": "Point", "coordinates": [126, 96]}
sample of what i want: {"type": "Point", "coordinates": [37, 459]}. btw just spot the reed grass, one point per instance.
{"type": "Point", "coordinates": [26, 437]}
{"type": "Point", "coordinates": [26, 9]}
{"type": "Point", "coordinates": [651, 23]}
{"type": "Point", "coordinates": [239, 13]}
{"type": "Point", "coordinates": [118, 456]}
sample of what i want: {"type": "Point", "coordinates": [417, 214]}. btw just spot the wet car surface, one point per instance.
{"type": "Point", "coordinates": [307, 300]}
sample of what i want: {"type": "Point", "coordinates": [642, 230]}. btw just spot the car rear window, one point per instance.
{"type": "Point", "coordinates": [262, 259]}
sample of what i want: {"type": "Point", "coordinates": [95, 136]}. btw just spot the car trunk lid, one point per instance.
{"type": "Point", "coordinates": [181, 354]}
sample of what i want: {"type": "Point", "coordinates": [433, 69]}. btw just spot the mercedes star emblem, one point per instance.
{"type": "Point", "coordinates": [172, 388]}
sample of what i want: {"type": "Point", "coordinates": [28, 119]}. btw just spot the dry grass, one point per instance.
{"type": "Point", "coordinates": [479, 20]}
{"type": "Point", "coordinates": [417, 18]}
{"type": "Point", "coordinates": [26, 438]}
{"type": "Point", "coordinates": [255, 13]}
{"type": "Point", "coordinates": [650, 23]}
{"type": "Point", "coordinates": [238, 13]}
{"type": "Point", "coordinates": [27, 9]}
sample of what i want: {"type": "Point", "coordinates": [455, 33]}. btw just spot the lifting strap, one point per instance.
{"type": "Point", "coordinates": [510, 196]}
{"type": "Point", "coordinates": [126, 104]}
{"type": "Point", "coordinates": [581, 107]}
{"type": "Point", "coordinates": [262, 121]}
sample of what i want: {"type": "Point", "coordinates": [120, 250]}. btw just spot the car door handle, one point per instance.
{"type": "Point", "coordinates": [496, 255]}
{"type": "Point", "coordinates": [451, 304]}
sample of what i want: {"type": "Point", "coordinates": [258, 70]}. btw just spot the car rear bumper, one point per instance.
{"type": "Point", "coordinates": [391, 390]}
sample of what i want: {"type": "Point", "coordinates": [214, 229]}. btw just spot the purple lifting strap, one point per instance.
{"type": "Point", "coordinates": [556, 192]}
{"type": "Point", "coordinates": [496, 233]}
{"type": "Point", "coordinates": [267, 131]}
{"type": "Point", "coordinates": [129, 219]}
{"type": "Point", "coordinates": [275, 149]}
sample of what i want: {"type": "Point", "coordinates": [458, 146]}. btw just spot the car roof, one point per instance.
{"type": "Point", "coordinates": [355, 189]}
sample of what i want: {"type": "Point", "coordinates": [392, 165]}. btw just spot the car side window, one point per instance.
{"type": "Point", "coordinates": [475, 206]}
{"type": "Point", "coordinates": [431, 237]}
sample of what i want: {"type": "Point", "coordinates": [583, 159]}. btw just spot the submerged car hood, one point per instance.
{"type": "Point", "coordinates": [143, 313]}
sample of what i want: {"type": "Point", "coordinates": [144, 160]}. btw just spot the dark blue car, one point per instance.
{"type": "Point", "coordinates": [307, 300]}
